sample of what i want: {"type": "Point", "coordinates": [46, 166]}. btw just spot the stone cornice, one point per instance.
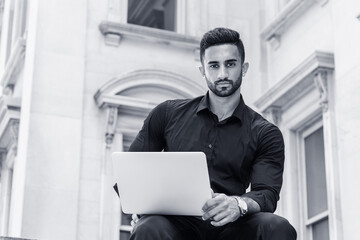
{"type": "Point", "coordinates": [107, 100]}
{"type": "Point", "coordinates": [110, 94]}
{"type": "Point", "coordinates": [113, 32]}
{"type": "Point", "coordinates": [14, 63]}
{"type": "Point", "coordinates": [298, 82]}
{"type": "Point", "coordinates": [150, 77]}
{"type": "Point", "coordinates": [284, 19]}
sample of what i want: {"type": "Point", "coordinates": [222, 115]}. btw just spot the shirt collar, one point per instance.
{"type": "Point", "coordinates": [239, 111]}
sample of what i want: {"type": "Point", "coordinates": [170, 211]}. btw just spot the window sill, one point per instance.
{"type": "Point", "coordinates": [114, 32]}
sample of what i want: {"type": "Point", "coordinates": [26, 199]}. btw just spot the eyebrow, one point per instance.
{"type": "Point", "coordinates": [229, 60]}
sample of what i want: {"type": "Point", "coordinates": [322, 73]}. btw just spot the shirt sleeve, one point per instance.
{"type": "Point", "coordinates": [267, 169]}
{"type": "Point", "coordinates": [151, 136]}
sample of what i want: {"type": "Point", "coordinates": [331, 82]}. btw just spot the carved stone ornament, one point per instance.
{"type": "Point", "coordinates": [112, 113]}
{"type": "Point", "coordinates": [321, 84]}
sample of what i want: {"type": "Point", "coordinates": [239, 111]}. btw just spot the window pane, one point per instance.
{"type": "Point", "coordinates": [315, 173]}
{"type": "Point", "coordinates": [321, 230]}
{"type": "Point", "coordinates": [152, 13]}
{"type": "Point", "coordinates": [125, 219]}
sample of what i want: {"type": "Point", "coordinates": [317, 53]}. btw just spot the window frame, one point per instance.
{"type": "Point", "coordinates": [180, 16]}
{"type": "Point", "coordinates": [307, 223]}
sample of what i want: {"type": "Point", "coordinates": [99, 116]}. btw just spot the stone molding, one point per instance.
{"type": "Point", "coordinates": [283, 20]}
{"type": "Point", "coordinates": [110, 97]}
{"type": "Point", "coordinates": [321, 83]}
{"type": "Point", "coordinates": [297, 83]}
{"type": "Point", "coordinates": [110, 93]}
{"type": "Point", "coordinates": [273, 114]}
{"type": "Point", "coordinates": [125, 102]}
{"type": "Point", "coordinates": [114, 32]}
{"type": "Point", "coordinates": [112, 114]}
{"type": "Point", "coordinates": [9, 127]}
{"type": "Point", "coordinates": [13, 65]}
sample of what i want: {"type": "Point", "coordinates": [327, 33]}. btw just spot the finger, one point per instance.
{"type": "Point", "coordinates": [211, 213]}
{"type": "Point", "coordinates": [222, 222]}
{"type": "Point", "coordinates": [135, 217]}
{"type": "Point", "coordinates": [219, 216]}
{"type": "Point", "coordinates": [211, 203]}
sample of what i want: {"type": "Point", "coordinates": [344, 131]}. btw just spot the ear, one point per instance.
{"type": "Point", "coordinates": [245, 67]}
{"type": "Point", "coordinates": [202, 71]}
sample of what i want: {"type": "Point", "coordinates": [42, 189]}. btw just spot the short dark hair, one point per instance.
{"type": "Point", "coordinates": [219, 36]}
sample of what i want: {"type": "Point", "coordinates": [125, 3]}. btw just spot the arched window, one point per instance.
{"type": "Point", "coordinates": [127, 100]}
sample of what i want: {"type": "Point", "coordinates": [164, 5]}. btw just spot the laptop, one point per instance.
{"type": "Point", "coordinates": [162, 183]}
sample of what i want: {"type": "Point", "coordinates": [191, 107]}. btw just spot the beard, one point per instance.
{"type": "Point", "coordinates": [224, 87]}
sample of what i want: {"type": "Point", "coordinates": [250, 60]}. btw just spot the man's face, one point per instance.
{"type": "Point", "coordinates": [222, 69]}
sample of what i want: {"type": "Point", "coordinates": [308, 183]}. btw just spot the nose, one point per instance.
{"type": "Point", "coordinates": [223, 73]}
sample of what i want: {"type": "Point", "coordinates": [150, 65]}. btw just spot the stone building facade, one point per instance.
{"type": "Point", "coordinates": [79, 77]}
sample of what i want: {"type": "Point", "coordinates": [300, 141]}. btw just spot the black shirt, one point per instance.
{"type": "Point", "coordinates": [242, 149]}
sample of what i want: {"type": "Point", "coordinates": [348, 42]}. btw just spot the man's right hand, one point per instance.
{"type": "Point", "coordinates": [135, 219]}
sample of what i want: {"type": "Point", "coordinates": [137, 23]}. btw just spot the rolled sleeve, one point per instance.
{"type": "Point", "coordinates": [267, 169]}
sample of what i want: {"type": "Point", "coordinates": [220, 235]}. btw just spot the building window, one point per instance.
{"type": "Point", "coordinates": [16, 22]}
{"type": "Point", "coordinates": [315, 187]}
{"type": "Point", "coordinates": [159, 14]}
{"type": "Point", "coordinates": [125, 227]}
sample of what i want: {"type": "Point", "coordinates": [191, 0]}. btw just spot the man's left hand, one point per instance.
{"type": "Point", "coordinates": [221, 209]}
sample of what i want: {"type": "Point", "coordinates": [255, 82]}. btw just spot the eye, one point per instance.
{"type": "Point", "coordinates": [231, 64]}
{"type": "Point", "coordinates": [214, 66]}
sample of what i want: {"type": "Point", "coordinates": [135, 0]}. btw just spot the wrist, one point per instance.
{"type": "Point", "coordinates": [242, 205]}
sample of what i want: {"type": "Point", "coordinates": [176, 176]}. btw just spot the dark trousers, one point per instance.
{"type": "Point", "coordinates": [260, 226]}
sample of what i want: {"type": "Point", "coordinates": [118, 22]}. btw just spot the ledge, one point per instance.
{"type": "Point", "coordinates": [114, 32]}
{"type": "Point", "coordinates": [296, 83]}
{"type": "Point", "coordinates": [14, 63]}
{"type": "Point", "coordinates": [108, 100]}
{"type": "Point", "coordinates": [284, 19]}
{"type": "Point", "coordinates": [12, 238]}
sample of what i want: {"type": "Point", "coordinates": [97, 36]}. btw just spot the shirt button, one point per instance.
{"type": "Point", "coordinates": [210, 146]}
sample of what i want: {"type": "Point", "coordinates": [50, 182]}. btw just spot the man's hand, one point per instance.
{"type": "Point", "coordinates": [135, 219]}
{"type": "Point", "coordinates": [221, 209]}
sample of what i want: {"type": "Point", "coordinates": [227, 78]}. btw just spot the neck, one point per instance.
{"type": "Point", "coordinates": [224, 107]}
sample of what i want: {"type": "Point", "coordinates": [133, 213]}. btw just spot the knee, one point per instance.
{"type": "Point", "coordinates": [274, 225]}
{"type": "Point", "coordinates": [149, 227]}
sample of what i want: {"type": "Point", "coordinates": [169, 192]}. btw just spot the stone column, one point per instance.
{"type": "Point", "coordinates": [109, 202]}
{"type": "Point", "coordinates": [346, 28]}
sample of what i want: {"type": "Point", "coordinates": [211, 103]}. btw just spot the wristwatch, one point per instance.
{"type": "Point", "coordinates": [243, 207]}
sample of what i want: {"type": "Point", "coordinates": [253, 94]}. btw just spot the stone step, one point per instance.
{"type": "Point", "coordinates": [12, 238]}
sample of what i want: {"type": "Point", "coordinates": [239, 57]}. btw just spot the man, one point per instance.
{"type": "Point", "coordinates": [241, 148]}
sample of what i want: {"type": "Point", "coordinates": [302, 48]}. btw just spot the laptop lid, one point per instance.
{"type": "Point", "coordinates": [168, 183]}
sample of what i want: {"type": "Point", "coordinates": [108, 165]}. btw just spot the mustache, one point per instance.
{"type": "Point", "coordinates": [225, 80]}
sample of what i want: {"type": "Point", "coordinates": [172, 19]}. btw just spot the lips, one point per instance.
{"type": "Point", "coordinates": [223, 82]}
